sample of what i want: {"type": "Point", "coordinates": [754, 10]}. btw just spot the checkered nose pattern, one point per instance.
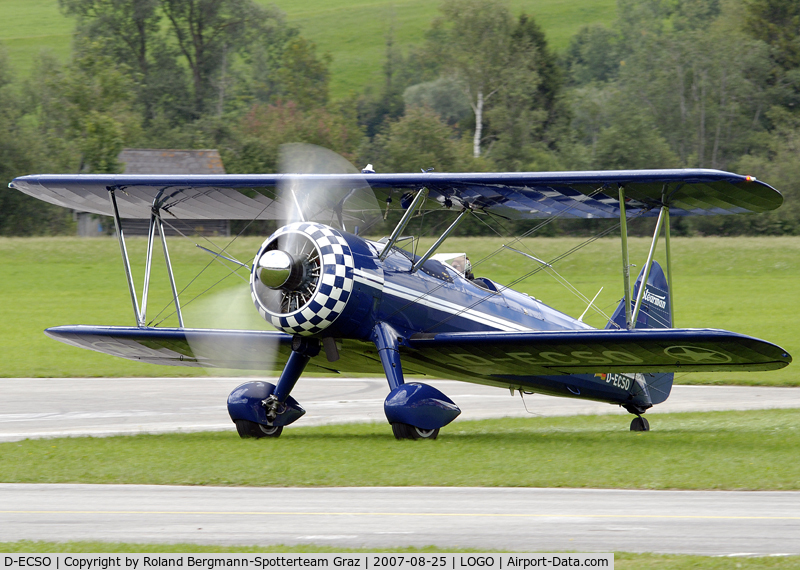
{"type": "Point", "coordinates": [324, 298]}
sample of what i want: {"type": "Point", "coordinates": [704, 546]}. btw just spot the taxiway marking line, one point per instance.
{"type": "Point", "coordinates": [370, 514]}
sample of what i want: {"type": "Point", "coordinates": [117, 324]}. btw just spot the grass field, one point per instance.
{"type": "Point", "coordinates": [754, 450]}
{"type": "Point", "coordinates": [622, 560]}
{"type": "Point", "coordinates": [353, 33]}
{"type": "Point", "coordinates": [746, 285]}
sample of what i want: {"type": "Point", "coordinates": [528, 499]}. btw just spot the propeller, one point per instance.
{"type": "Point", "coordinates": [289, 266]}
{"type": "Point", "coordinates": [346, 205]}
{"type": "Point", "coordinates": [287, 270]}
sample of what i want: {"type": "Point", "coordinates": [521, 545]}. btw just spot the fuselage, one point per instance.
{"type": "Point", "coordinates": [356, 289]}
{"type": "Point", "coordinates": [437, 298]}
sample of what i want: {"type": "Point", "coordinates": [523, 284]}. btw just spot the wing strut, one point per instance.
{"type": "Point", "coordinates": [125, 260]}
{"type": "Point", "coordinates": [669, 267]}
{"type": "Point", "coordinates": [418, 199]}
{"type": "Point", "coordinates": [648, 264]}
{"type": "Point", "coordinates": [169, 271]}
{"type": "Point", "coordinates": [439, 241]}
{"type": "Point", "coordinates": [626, 265]}
{"type": "Point", "coordinates": [663, 220]}
{"type": "Point", "coordinates": [155, 222]}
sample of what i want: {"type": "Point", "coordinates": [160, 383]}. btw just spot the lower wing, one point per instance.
{"type": "Point", "coordinates": [448, 355]}
{"type": "Point", "coordinates": [587, 351]}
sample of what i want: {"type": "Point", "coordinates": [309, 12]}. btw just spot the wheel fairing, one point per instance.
{"type": "Point", "coordinates": [245, 403]}
{"type": "Point", "coordinates": [419, 405]}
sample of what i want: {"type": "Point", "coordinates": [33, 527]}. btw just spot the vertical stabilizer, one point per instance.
{"type": "Point", "coordinates": [654, 314]}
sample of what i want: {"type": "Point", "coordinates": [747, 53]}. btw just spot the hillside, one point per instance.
{"type": "Point", "coordinates": [353, 33]}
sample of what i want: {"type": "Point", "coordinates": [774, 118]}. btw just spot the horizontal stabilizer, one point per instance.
{"type": "Point", "coordinates": [590, 351]}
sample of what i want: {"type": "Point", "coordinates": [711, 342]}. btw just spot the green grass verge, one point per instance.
{"type": "Point", "coordinates": [754, 450]}
{"type": "Point", "coordinates": [747, 285]}
{"type": "Point", "coordinates": [622, 560]}
{"type": "Point", "coordinates": [353, 33]}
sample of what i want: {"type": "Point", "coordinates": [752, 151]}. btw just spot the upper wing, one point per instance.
{"type": "Point", "coordinates": [515, 195]}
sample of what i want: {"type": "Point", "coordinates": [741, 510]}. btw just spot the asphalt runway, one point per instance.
{"type": "Point", "coordinates": [515, 519]}
{"type": "Point", "coordinates": [58, 407]}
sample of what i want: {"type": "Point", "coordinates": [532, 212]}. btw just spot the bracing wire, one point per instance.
{"type": "Point", "coordinates": [536, 270]}
{"type": "Point", "coordinates": [232, 271]}
{"type": "Point", "coordinates": [526, 234]}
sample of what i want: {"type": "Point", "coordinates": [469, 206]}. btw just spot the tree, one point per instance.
{"type": "Point", "coordinates": [777, 23]}
{"type": "Point", "coordinates": [444, 96]}
{"type": "Point", "coordinates": [419, 140]}
{"type": "Point", "coordinates": [529, 44]}
{"type": "Point", "coordinates": [507, 73]}
{"type": "Point", "coordinates": [254, 145]}
{"type": "Point", "coordinates": [527, 111]}
{"type": "Point", "coordinates": [128, 28]}
{"type": "Point", "coordinates": [131, 34]}
{"type": "Point", "coordinates": [207, 31]}
{"type": "Point", "coordinates": [84, 111]}
{"type": "Point", "coordinates": [593, 55]}
{"type": "Point", "coordinates": [190, 58]}
{"type": "Point", "coordinates": [473, 40]}
{"type": "Point", "coordinates": [22, 152]}
{"type": "Point", "coordinates": [634, 144]}
{"type": "Point", "coordinates": [776, 164]}
{"type": "Point", "coordinates": [303, 76]}
{"type": "Point", "coordinates": [700, 82]}
{"type": "Point", "coordinates": [376, 107]}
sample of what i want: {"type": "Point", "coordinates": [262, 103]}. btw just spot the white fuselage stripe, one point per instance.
{"type": "Point", "coordinates": [362, 276]}
{"type": "Point", "coordinates": [452, 308]}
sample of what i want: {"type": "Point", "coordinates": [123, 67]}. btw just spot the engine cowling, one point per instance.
{"type": "Point", "coordinates": [303, 277]}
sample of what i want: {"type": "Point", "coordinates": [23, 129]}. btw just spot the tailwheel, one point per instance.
{"type": "Point", "coordinates": [405, 431]}
{"type": "Point", "coordinates": [640, 424]}
{"type": "Point", "coordinates": [248, 429]}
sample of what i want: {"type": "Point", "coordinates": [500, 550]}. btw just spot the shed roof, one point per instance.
{"type": "Point", "coordinates": [171, 161]}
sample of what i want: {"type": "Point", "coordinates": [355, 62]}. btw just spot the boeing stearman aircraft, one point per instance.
{"type": "Point", "coordinates": [342, 302]}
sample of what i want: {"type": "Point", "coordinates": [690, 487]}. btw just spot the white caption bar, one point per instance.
{"type": "Point", "coordinates": [372, 561]}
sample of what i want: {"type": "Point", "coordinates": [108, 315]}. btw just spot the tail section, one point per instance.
{"type": "Point", "coordinates": [654, 314]}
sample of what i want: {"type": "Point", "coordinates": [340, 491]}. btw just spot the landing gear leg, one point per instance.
{"type": "Point", "coordinates": [303, 349]}
{"type": "Point", "coordinates": [415, 410]}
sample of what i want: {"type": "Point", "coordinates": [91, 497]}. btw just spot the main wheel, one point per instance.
{"type": "Point", "coordinates": [405, 431]}
{"type": "Point", "coordinates": [640, 424]}
{"type": "Point", "coordinates": [248, 429]}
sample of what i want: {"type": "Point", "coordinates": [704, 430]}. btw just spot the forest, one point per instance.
{"type": "Point", "coordinates": [671, 84]}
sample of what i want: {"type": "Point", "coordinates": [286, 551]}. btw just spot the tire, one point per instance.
{"type": "Point", "coordinates": [640, 424]}
{"type": "Point", "coordinates": [249, 430]}
{"type": "Point", "coordinates": [405, 431]}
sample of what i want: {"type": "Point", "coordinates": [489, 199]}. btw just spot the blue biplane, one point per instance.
{"type": "Point", "coordinates": [348, 304]}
